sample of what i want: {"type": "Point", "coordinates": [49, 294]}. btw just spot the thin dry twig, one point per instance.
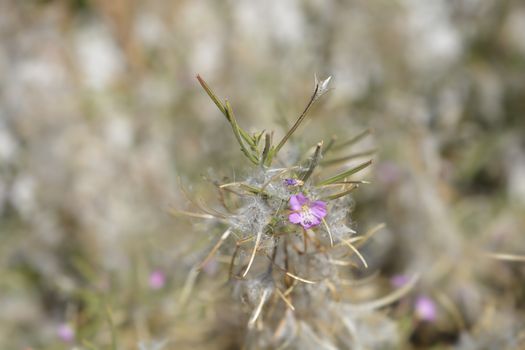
{"type": "Point", "coordinates": [304, 280]}
{"type": "Point", "coordinates": [506, 256]}
{"type": "Point", "coordinates": [449, 305]}
{"type": "Point", "coordinates": [370, 233]}
{"type": "Point", "coordinates": [252, 257]}
{"type": "Point", "coordinates": [357, 252]}
{"type": "Point", "coordinates": [188, 286]}
{"type": "Point", "coordinates": [360, 281]}
{"type": "Point", "coordinates": [176, 212]}
{"type": "Point", "coordinates": [286, 301]}
{"type": "Point", "coordinates": [258, 309]}
{"type": "Point", "coordinates": [329, 232]}
{"type": "Point", "coordinates": [386, 300]}
{"type": "Point", "coordinates": [216, 247]}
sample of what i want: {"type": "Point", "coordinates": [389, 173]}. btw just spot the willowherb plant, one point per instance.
{"type": "Point", "coordinates": [291, 240]}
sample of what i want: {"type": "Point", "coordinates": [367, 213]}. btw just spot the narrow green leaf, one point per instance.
{"type": "Point", "coordinates": [246, 137]}
{"type": "Point", "coordinates": [267, 146]}
{"type": "Point", "coordinates": [257, 137]}
{"type": "Point", "coordinates": [212, 95]}
{"type": "Point", "coordinates": [345, 174]}
{"type": "Point", "coordinates": [237, 133]}
{"type": "Point", "coordinates": [271, 152]}
{"type": "Point", "coordinates": [342, 193]}
{"type": "Point", "coordinates": [330, 144]}
{"type": "Point", "coordinates": [224, 111]}
{"type": "Point", "coordinates": [313, 162]}
{"type": "Point", "coordinates": [253, 189]}
{"type": "Point", "coordinates": [353, 140]}
{"type": "Point", "coordinates": [297, 122]}
{"type": "Point", "coordinates": [349, 157]}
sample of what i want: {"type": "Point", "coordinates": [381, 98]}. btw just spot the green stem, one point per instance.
{"type": "Point", "coordinates": [237, 133]}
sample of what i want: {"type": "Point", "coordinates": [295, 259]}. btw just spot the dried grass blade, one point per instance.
{"type": "Point", "coordinates": [216, 247]}
{"type": "Point", "coordinates": [370, 233]}
{"type": "Point", "coordinates": [329, 232]}
{"type": "Point", "coordinates": [506, 257]}
{"type": "Point", "coordinates": [359, 255]}
{"type": "Point", "coordinates": [258, 309]}
{"type": "Point", "coordinates": [386, 300]}
{"type": "Point", "coordinates": [286, 301]}
{"type": "Point", "coordinates": [252, 257]}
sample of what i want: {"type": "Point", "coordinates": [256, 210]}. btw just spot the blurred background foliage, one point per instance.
{"type": "Point", "coordinates": [102, 122]}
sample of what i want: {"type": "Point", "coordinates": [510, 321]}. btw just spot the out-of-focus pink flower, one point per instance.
{"type": "Point", "coordinates": [425, 308]}
{"type": "Point", "coordinates": [66, 333]}
{"type": "Point", "coordinates": [305, 212]}
{"type": "Point", "coordinates": [157, 279]}
{"type": "Point", "coordinates": [399, 281]}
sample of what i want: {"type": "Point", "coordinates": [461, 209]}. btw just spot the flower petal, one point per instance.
{"type": "Point", "coordinates": [318, 208]}
{"type": "Point", "coordinates": [297, 201]}
{"type": "Point", "coordinates": [295, 218]}
{"type": "Point", "coordinates": [310, 221]}
{"type": "Point", "coordinates": [302, 198]}
{"type": "Point", "coordinates": [426, 308]}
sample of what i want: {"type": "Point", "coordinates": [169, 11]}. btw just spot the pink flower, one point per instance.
{"type": "Point", "coordinates": [157, 279]}
{"type": "Point", "coordinates": [66, 333]}
{"type": "Point", "coordinates": [425, 308]}
{"type": "Point", "coordinates": [305, 212]}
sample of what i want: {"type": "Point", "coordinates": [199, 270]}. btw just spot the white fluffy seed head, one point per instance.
{"type": "Point", "coordinates": [251, 218]}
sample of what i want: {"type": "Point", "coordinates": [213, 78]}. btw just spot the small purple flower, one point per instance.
{"type": "Point", "coordinates": [425, 308]}
{"type": "Point", "coordinates": [293, 182]}
{"type": "Point", "coordinates": [305, 212]}
{"type": "Point", "coordinates": [290, 182]}
{"type": "Point", "coordinates": [66, 333]}
{"type": "Point", "coordinates": [157, 279]}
